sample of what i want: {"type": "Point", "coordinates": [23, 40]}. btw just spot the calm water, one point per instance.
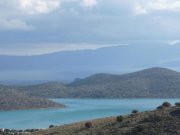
{"type": "Point", "coordinates": [77, 110]}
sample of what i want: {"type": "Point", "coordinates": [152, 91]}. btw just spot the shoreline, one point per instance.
{"type": "Point", "coordinates": [160, 113]}
{"type": "Point", "coordinates": [60, 112]}
{"type": "Point", "coordinates": [33, 109]}
{"type": "Point", "coordinates": [73, 124]}
{"type": "Point", "coordinates": [125, 124]}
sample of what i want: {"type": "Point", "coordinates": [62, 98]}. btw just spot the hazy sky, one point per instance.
{"type": "Point", "coordinates": [42, 26]}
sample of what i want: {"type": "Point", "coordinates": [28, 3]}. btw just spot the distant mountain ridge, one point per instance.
{"type": "Point", "coordinates": [67, 65]}
{"type": "Point", "coordinates": [148, 83]}
{"type": "Point", "coordinates": [151, 72]}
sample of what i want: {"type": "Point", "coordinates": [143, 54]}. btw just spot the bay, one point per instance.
{"type": "Point", "coordinates": [76, 110]}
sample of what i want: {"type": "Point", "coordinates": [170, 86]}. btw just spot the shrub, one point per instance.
{"type": "Point", "coordinates": [166, 104]}
{"type": "Point", "coordinates": [51, 126]}
{"type": "Point", "coordinates": [134, 111]}
{"type": "Point", "coordinates": [119, 118]}
{"type": "Point", "coordinates": [88, 125]}
{"type": "Point", "coordinates": [177, 104]}
{"type": "Point", "coordinates": [160, 107]}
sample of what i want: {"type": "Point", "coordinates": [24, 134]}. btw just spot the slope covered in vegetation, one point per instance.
{"type": "Point", "coordinates": [163, 121]}
{"type": "Point", "coordinates": [153, 82]}
{"type": "Point", "coordinates": [11, 99]}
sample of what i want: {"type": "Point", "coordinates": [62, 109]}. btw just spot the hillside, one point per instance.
{"type": "Point", "coordinates": [165, 121]}
{"type": "Point", "coordinates": [152, 83]}
{"type": "Point", "coordinates": [11, 99]}
{"type": "Point", "coordinates": [107, 78]}
{"type": "Point", "coordinates": [46, 90]}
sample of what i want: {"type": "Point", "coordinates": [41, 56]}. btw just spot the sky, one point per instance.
{"type": "Point", "coordinates": [33, 27]}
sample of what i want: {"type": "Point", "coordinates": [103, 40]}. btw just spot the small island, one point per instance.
{"type": "Point", "coordinates": [12, 99]}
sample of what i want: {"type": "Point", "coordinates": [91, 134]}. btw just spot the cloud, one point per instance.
{"type": "Point", "coordinates": [14, 24]}
{"type": "Point", "coordinates": [156, 5]}
{"type": "Point", "coordinates": [107, 21]}
{"type": "Point", "coordinates": [46, 48]}
{"type": "Point", "coordinates": [16, 8]}
{"type": "Point", "coordinates": [173, 42]}
{"type": "Point", "coordinates": [38, 6]}
{"type": "Point", "coordinates": [14, 14]}
{"type": "Point", "coordinates": [89, 3]}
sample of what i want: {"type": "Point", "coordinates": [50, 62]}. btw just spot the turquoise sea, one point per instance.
{"type": "Point", "coordinates": [76, 110]}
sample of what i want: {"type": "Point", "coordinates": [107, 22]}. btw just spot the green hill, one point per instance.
{"type": "Point", "coordinates": [46, 90]}
{"type": "Point", "coordinates": [11, 99]}
{"type": "Point", "coordinates": [148, 83]}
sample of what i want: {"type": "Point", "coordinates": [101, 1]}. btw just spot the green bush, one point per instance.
{"type": "Point", "coordinates": [51, 126]}
{"type": "Point", "coordinates": [88, 125]}
{"type": "Point", "coordinates": [119, 118]}
{"type": "Point", "coordinates": [135, 111]}
{"type": "Point", "coordinates": [177, 104]}
{"type": "Point", "coordinates": [166, 104]}
{"type": "Point", "coordinates": [160, 107]}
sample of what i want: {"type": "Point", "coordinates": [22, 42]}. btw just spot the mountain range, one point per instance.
{"type": "Point", "coordinates": [65, 66]}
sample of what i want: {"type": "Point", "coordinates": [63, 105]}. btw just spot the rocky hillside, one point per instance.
{"type": "Point", "coordinates": [11, 99]}
{"type": "Point", "coordinates": [163, 121]}
{"type": "Point", "coordinates": [46, 90]}
{"type": "Point", "coordinates": [148, 83]}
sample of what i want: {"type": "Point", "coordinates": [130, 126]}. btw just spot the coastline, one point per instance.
{"type": "Point", "coordinates": [145, 122]}
{"type": "Point", "coordinates": [74, 112]}
{"type": "Point", "coordinates": [162, 116]}
{"type": "Point", "coordinates": [34, 109]}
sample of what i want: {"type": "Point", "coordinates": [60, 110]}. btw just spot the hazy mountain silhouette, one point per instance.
{"type": "Point", "coordinates": [68, 65]}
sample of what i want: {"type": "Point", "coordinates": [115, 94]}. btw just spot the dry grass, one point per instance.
{"type": "Point", "coordinates": [147, 123]}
